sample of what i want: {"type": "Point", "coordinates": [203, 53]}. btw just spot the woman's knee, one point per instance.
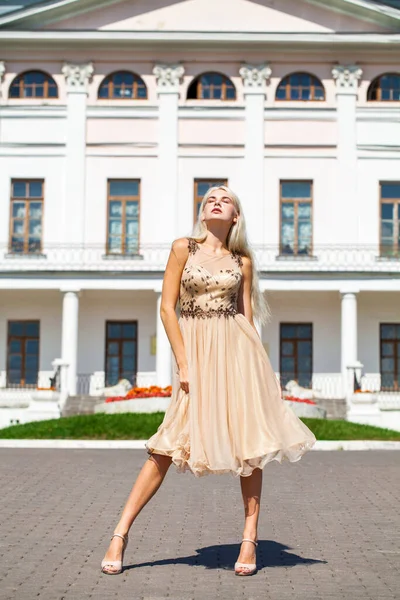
{"type": "Point", "coordinates": [162, 461]}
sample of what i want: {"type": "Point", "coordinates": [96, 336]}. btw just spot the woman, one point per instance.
{"type": "Point", "coordinates": [226, 413]}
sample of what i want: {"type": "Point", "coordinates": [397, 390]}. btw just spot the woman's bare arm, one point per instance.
{"type": "Point", "coordinates": [244, 296]}
{"type": "Point", "coordinates": [169, 297]}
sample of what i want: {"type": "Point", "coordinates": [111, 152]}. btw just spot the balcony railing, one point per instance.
{"type": "Point", "coordinates": [153, 258]}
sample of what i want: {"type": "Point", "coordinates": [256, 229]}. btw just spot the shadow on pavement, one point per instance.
{"type": "Point", "coordinates": [269, 554]}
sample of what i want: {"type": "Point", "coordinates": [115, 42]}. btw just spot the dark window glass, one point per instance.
{"type": "Point", "coordinates": [211, 86]}
{"type": "Point", "coordinates": [296, 189]}
{"type": "Point", "coordinates": [121, 352]}
{"type": "Point", "coordinates": [300, 86]}
{"type": "Point", "coordinates": [33, 84]}
{"type": "Point", "coordinates": [22, 353]}
{"type": "Point", "coordinates": [296, 353]}
{"type": "Point", "coordinates": [123, 216]}
{"type": "Point", "coordinates": [123, 85]}
{"type": "Point", "coordinates": [26, 216]}
{"type": "Point", "coordinates": [296, 218]}
{"type": "Point", "coordinates": [390, 190]}
{"type": "Point", "coordinates": [385, 88]}
{"type": "Point", "coordinates": [390, 219]}
{"type": "Point", "coordinates": [390, 356]}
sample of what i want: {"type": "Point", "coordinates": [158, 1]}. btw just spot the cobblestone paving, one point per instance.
{"type": "Point", "coordinates": [329, 529]}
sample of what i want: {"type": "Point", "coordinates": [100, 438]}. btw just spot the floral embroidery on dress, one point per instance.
{"type": "Point", "coordinates": [204, 294]}
{"type": "Point", "coordinates": [238, 258]}
{"type": "Point", "coordinates": [192, 245]}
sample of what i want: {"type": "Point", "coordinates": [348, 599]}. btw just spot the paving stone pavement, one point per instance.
{"type": "Point", "coordinates": [329, 529]}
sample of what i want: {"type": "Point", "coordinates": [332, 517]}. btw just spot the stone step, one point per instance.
{"type": "Point", "coordinates": [335, 407]}
{"type": "Point", "coordinates": [84, 405]}
{"type": "Point", "coordinates": [80, 405]}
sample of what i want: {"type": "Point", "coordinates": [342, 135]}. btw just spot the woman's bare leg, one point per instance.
{"type": "Point", "coordinates": [251, 492]}
{"type": "Point", "coordinates": [147, 483]}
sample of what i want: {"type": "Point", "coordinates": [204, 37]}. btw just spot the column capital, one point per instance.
{"type": "Point", "coordinates": [351, 292]}
{"type": "Point", "coordinates": [346, 78]}
{"type": "Point", "coordinates": [77, 76]}
{"type": "Point", "coordinates": [255, 77]}
{"type": "Point", "coordinates": [71, 290]}
{"type": "Point", "coordinates": [168, 77]}
{"type": "Point", "coordinates": [2, 70]}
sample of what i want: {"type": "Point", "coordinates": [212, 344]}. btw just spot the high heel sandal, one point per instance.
{"type": "Point", "coordinates": [115, 563]}
{"type": "Point", "coordinates": [251, 568]}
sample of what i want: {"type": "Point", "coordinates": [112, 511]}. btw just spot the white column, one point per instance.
{"type": "Point", "coordinates": [168, 79]}
{"type": "Point", "coordinates": [348, 333]}
{"type": "Point", "coordinates": [346, 200]}
{"type": "Point", "coordinates": [254, 84]}
{"type": "Point", "coordinates": [69, 337]}
{"type": "Point", "coordinates": [77, 78]}
{"type": "Point", "coordinates": [164, 351]}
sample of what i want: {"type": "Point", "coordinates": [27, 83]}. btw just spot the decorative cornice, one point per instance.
{"type": "Point", "coordinates": [2, 69]}
{"type": "Point", "coordinates": [255, 77]}
{"type": "Point", "coordinates": [168, 78]}
{"type": "Point", "coordinates": [77, 76]}
{"type": "Point", "coordinates": [346, 77]}
{"type": "Point", "coordinates": [211, 39]}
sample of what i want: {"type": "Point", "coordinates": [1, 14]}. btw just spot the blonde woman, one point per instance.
{"type": "Point", "coordinates": [226, 413]}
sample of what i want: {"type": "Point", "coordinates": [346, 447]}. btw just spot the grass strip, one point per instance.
{"type": "Point", "coordinates": [140, 426]}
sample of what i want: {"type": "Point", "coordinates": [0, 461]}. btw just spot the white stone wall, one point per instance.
{"type": "Point", "coordinates": [344, 144]}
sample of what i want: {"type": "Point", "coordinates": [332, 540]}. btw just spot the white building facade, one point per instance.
{"type": "Point", "coordinates": [114, 119]}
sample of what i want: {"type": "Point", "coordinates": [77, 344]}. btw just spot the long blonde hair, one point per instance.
{"type": "Point", "coordinates": [237, 241]}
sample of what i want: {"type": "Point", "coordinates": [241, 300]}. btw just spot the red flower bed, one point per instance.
{"type": "Point", "coordinates": [294, 399]}
{"type": "Point", "coordinates": [143, 392]}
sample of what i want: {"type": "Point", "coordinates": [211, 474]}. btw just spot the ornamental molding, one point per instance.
{"type": "Point", "coordinates": [77, 76]}
{"type": "Point", "coordinates": [2, 69]}
{"type": "Point", "coordinates": [346, 77]}
{"type": "Point", "coordinates": [168, 77]}
{"type": "Point", "coordinates": [255, 77]}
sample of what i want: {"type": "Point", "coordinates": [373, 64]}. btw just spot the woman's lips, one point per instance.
{"type": "Point", "coordinates": [216, 210]}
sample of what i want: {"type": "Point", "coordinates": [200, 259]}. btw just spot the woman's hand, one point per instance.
{"type": "Point", "coordinates": [183, 373]}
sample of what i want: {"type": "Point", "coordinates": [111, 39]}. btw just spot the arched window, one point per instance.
{"type": "Point", "coordinates": [123, 85]}
{"type": "Point", "coordinates": [300, 86]}
{"type": "Point", "coordinates": [385, 88]}
{"type": "Point", "coordinates": [211, 86]}
{"type": "Point", "coordinates": [33, 84]}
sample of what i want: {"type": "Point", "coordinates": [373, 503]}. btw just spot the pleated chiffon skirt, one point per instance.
{"type": "Point", "coordinates": [233, 419]}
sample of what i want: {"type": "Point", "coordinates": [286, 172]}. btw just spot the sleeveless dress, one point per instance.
{"type": "Point", "coordinates": [233, 419]}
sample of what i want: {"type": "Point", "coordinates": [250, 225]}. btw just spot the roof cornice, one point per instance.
{"type": "Point", "coordinates": [47, 12]}
{"type": "Point", "coordinates": [364, 9]}
{"type": "Point", "coordinates": [200, 38]}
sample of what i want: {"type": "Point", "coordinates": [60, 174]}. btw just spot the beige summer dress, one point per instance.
{"type": "Point", "coordinates": [234, 418]}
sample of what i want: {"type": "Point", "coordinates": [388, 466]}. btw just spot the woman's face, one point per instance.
{"type": "Point", "coordinates": [219, 207]}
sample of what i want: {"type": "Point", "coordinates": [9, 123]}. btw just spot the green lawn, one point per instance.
{"type": "Point", "coordinates": [128, 426]}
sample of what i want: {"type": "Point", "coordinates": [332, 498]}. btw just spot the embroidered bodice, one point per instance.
{"type": "Point", "coordinates": [209, 284]}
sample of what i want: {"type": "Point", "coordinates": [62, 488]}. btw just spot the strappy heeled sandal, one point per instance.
{"type": "Point", "coordinates": [115, 563]}
{"type": "Point", "coordinates": [251, 568]}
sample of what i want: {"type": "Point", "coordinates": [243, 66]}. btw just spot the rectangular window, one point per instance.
{"type": "Point", "coordinates": [123, 216]}
{"type": "Point", "coordinates": [296, 218]}
{"type": "Point", "coordinates": [390, 219]}
{"type": "Point", "coordinates": [200, 188]}
{"type": "Point", "coordinates": [26, 216]}
{"type": "Point", "coordinates": [390, 356]}
{"type": "Point", "coordinates": [296, 353]}
{"type": "Point", "coordinates": [121, 352]}
{"type": "Point", "coordinates": [22, 353]}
